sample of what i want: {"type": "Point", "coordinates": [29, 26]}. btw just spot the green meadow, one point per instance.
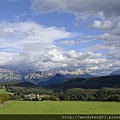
{"type": "Point", "coordinates": [4, 91]}
{"type": "Point", "coordinates": [60, 107]}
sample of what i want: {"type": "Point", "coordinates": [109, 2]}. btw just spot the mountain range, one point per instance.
{"type": "Point", "coordinates": [7, 75]}
{"type": "Point", "coordinates": [41, 77]}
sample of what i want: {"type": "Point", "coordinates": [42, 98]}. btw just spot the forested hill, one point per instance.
{"type": "Point", "coordinates": [89, 83]}
{"type": "Point", "coordinates": [19, 84]}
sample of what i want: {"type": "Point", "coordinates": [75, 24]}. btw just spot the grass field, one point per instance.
{"type": "Point", "coordinates": [3, 91]}
{"type": "Point", "coordinates": [60, 107]}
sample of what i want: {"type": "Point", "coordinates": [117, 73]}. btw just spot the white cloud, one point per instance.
{"type": "Point", "coordinates": [19, 34]}
{"type": "Point", "coordinates": [102, 15]}
{"type": "Point", "coordinates": [111, 48]}
{"type": "Point", "coordinates": [68, 42]}
{"type": "Point", "coordinates": [103, 25]}
{"type": "Point", "coordinates": [27, 45]}
{"type": "Point", "coordinates": [106, 8]}
{"type": "Point", "coordinates": [6, 57]}
{"type": "Point", "coordinates": [36, 49]}
{"type": "Point", "coordinates": [32, 43]}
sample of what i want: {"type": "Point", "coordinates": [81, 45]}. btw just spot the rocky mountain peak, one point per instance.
{"type": "Point", "coordinates": [6, 74]}
{"type": "Point", "coordinates": [72, 72]}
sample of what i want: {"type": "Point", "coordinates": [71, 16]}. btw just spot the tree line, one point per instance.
{"type": "Point", "coordinates": [104, 94]}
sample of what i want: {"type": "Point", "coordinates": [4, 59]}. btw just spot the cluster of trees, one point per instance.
{"type": "Point", "coordinates": [28, 90]}
{"type": "Point", "coordinates": [4, 98]}
{"type": "Point", "coordinates": [19, 92]}
{"type": "Point", "coordinates": [47, 97]}
{"type": "Point", "coordinates": [104, 94]}
{"type": "Point", "coordinates": [22, 89]}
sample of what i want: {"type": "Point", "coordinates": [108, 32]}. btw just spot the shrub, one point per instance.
{"type": "Point", "coordinates": [114, 98]}
{"type": "Point", "coordinates": [4, 97]}
{"type": "Point", "coordinates": [53, 98]}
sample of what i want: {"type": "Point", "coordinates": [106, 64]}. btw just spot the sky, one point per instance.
{"type": "Point", "coordinates": [60, 34]}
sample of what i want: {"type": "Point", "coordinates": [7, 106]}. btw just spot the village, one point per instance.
{"type": "Point", "coordinates": [37, 97]}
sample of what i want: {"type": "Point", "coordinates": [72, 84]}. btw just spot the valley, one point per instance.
{"type": "Point", "coordinates": [56, 93]}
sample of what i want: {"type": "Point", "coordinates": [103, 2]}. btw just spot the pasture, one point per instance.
{"type": "Point", "coordinates": [60, 107]}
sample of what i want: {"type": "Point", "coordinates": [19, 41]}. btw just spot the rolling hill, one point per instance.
{"type": "Point", "coordinates": [88, 83]}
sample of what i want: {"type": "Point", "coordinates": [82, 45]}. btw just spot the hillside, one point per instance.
{"type": "Point", "coordinates": [3, 91]}
{"type": "Point", "coordinates": [20, 84]}
{"type": "Point", "coordinates": [55, 79]}
{"type": "Point", "coordinates": [88, 83]}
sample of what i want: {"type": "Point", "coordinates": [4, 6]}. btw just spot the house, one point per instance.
{"type": "Point", "coordinates": [3, 87]}
{"type": "Point", "coordinates": [30, 96]}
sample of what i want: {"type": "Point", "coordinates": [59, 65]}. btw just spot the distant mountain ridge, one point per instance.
{"type": "Point", "coordinates": [34, 76]}
{"type": "Point", "coordinates": [7, 75]}
{"type": "Point", "coordinates": [23, 76]}
{"type": "Point", "coordinates": [44, 78]}
{"type": "Point", "coordinates": [58, 78]}
{"type": "Point", "coordinates": [41, 77]}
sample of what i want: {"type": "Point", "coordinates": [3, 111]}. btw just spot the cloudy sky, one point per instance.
{"type": "Point", "coordinates": [61, 34]}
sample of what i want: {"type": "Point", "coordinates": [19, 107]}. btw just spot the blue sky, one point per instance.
{"type": "Point", "coordinates": [60, 34]}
